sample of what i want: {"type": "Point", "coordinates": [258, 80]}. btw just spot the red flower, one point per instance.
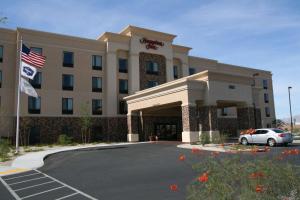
{"type": "Point", "coordinates": [195, 150]}
{"type": "Point", "coordinates": [257, 175]}
{"type": "Point", "coordinates": [182, 157]}
{"type": "Point", "coordinates": [294, 152]}
{"type": "Point", "coordinates": [259, 188]}
{"type": "Point", "coordinates": [203, 178]}
{"type": "Point", "coordinates": [174, 187]}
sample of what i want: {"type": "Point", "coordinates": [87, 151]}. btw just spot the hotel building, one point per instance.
{"type": "Point", "coordinates": [133, 84]}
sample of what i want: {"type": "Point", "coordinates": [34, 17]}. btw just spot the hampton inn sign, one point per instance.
{"type": "Point", "coordinates": [151, 44]}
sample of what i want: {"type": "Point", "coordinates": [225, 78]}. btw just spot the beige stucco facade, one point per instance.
{"type": "Point", "coordinates": [209, 87]}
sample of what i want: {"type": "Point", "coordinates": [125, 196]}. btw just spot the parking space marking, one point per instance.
{"type": "Point", "coordinates": [27, 180]}
{"type": "Point", "coordinates": [6, 179]}
{"type": "Point", "coordinates": [70, 195]}
{"type": "Point", "coordinates": [31, 191]}
{"type": "Point", "coordinates": [32, 195]}
{"type": "Point", "coordinates": [78, 191]}
{"type": "Point", "coordinates": [34, 186]}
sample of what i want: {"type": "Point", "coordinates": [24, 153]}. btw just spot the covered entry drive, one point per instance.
{"type": "Point", "coordinates": [192, 106]}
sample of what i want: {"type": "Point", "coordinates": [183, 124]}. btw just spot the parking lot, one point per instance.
{"type": "Point", "coordinates": [143, 171]}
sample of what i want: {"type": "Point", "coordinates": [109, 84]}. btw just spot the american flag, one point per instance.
{"type": "Point", "coordinates": [32, 58]}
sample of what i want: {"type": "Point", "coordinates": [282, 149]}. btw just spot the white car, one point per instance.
{"type": "Point", "coordinates": [270, 136]}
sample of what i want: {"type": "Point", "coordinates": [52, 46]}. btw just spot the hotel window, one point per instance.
{"type": "Point", "coordinates": [123, 86]}
{"type": "Point", "coordinates": [122, 107]}
{"type": "Point", "coordinates": [152, 84]}
{"type": "Point", "coordinates": [96, 84]}
{"type": "Point", "coordinates": [67, 82]}
{"type": "Point", "coordinates": [267, 110]}
{"type": "Point", "coordinates": [67, 106]}
{"type": "Point", "coordinates": [37, 80]}
{"type": "Point", "coordinates": [68, 59]}
{"type": "Point", "coordinates": [123, 65]}
{"type": "Point", "coordinates": [224, 111]}
{"type": "Point", "coordinates": [97, 62]}
{"type": "Point", "coordinates": [97, 106]}
{"type": "Point", "coordinates": [152, 67]}
{"type": "Point", "coordinates": [37, 50]}
{"type": "Point", "coordinates": [265, 84]}
{"type": "Point", "coordinates": [266, 98]}
{"type": "Point", "coordinates": [192, 71]}
{"type": "Point", "coordinates": [1, 53]}
{"type": "Point", "coordinates": [175, 71]}
{"type": "Point", "coordinates": [0, 78]}
{"type": "Point", "coordinates": [34, 105]}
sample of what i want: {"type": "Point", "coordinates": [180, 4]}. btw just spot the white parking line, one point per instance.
{"type": "Point", "coordinates": [27, 180]}
{"type": "Point", "coordinates": [33, 186]}
{"type": "Point", "coordinates": [67, 196]}
{"type": "Point", "coordinates": [78, 191]}
{"type": "Point", "coordinates": [9, 189]}
{"type": "Point", "coordinates": [52, 180]}
{"type": "Point", "coordinates": [20, 176]}
{"type": "Point", "coordinates": [32, 195]}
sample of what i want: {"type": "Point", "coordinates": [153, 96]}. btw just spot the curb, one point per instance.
{"type": "Point", "coordinates": [35, 160]}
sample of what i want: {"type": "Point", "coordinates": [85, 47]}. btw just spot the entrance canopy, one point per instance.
{"type": "Point", "coordinates": [196, 96]}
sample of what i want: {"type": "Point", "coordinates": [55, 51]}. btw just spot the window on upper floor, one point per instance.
{"type": "Point", "coordinates": [267, 111]}
{"type": "Point", "coordinates": [37, 80]}
{"type": "Point", "coordinates": [97, 106]}
{"type": "Point", "coordinates": [152, 84]}
{"type": "Point", "coordinates": [265, 84]}
{"type": "Point", "coordinates": [152, 67]}
{"type": "Point", "coordinates": [34, 105]}
{"type": "Point", "coordinates": [122, 107]}
{"type": "Point", "coordinates": [1, 54]}
{"type": "Point", "coordinates": [123, 65]}
{"type": "Point", "coordinates": [68, 59]}
{"type": "Point", "coordinates": [67, 106]}
{"type": "Point", "coordinates": [123, 86]}
{"type": "Point", "coordinates": [96, 84]}
{"type": "Point", "coordinates": [67, 82]}
{"type": "Point", "coordinates": [0, 78]}
{"type": "Point", "coordinates": [266, 97]}
{"type": "Point", "coordinates": [192, 71]}
{"type": "Point", "coordinates": [37, 50]}
{"type": "Point", "coordinates": [175, 71]}
{"type": "Point", "coordinates": [97, 62]}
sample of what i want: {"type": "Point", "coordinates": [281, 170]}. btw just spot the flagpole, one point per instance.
{"type": "Point", "coordinates": [18, 99]}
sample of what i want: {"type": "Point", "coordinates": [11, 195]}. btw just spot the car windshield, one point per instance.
{"type": "Point", "coordinates": [278, 131]}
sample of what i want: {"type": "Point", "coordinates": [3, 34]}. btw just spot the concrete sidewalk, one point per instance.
{"type": "Point", "coordinates": [35, 160]}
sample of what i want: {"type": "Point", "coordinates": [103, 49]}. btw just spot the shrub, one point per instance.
{"type": "Point", "coordinates": [205, 138]}
{"type": "Point", "coordinates": [63, 139]}
{"type": "Point", "coordinates": [234, 178]}
{"type": "Point", "coordinates": [4, 150]}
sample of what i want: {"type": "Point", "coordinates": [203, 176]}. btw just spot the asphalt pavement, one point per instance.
{"type": "Point", "coordinates": [142, 171]}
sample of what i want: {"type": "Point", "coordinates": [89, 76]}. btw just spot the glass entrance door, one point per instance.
{"type": "Point", "coordinates": [166, 132]}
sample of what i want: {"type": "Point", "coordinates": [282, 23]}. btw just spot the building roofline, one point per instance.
{"type": "Point", "coordinates": [136, 30]}
{"type": "Point", "coordinates": [112, 36]}
{"type": "Point", "coordinates": [57, 35]}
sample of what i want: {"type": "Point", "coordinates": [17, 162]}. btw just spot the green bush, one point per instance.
{"type": "Point", "coordinates": [4, 150]}
{"type": "Point", "coordinates": [204, 138]}
{"type": "Point", "coordinates": [233, 178]}
{"type": "Point", "coordinates": [63, 139]}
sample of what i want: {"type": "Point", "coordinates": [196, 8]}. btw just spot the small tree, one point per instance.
{"type": "Point", "coordinates": [86, 123]}
{"type": "Point", "coordinates": [279, 123]}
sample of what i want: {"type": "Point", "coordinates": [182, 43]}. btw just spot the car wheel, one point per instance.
{"type": "Point", "coordinates": [244, 141]}
{"type": "Point", "coordinates": [271, 142]}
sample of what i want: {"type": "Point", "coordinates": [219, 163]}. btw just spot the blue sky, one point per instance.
{"type": "Point", "coordinates": [262, 34]}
